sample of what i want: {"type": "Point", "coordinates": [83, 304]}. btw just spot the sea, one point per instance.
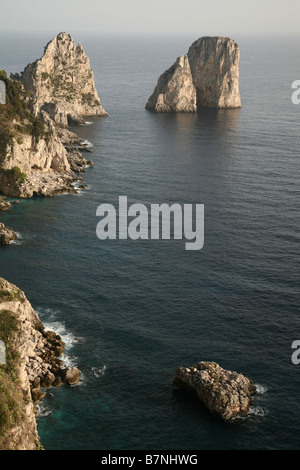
{"type": "Point", "coordinates": [132, 311]}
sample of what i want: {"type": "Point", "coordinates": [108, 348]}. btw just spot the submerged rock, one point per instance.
{"type": "Point", "coordinates": [208, 76]}
{"type": "Point", "coordinates": [225, 393]}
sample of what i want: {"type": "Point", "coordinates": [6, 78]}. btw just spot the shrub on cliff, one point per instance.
{"type": "Point", "coordinates": [16, 117]}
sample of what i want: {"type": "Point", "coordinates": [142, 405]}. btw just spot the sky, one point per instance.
{"type": "Point", "coordinates": [208, 17]}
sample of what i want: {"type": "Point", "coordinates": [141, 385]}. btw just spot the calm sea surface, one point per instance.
{"type": "Point", "coordinates": [138, 309]}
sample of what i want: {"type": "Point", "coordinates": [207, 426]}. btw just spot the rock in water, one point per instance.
{"type": "Point", "coordinates": [225, 393]}
{"type": "Point", "coordinates": [208, 76]}
{"type": "Point", "coordinates": [70, 375]}
{"type": "Point", "coordinates": [7, 235]}
{"type": "Point", "coordinates": [62, 83]}
{"type": "Point", "coordinates": [175, 91]}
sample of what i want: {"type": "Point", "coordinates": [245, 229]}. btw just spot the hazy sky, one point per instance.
{"type": "Point", "coordinates": [213, 17]}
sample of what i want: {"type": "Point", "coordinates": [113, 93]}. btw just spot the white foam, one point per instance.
{"type": "Point", "coordinates": [99, 372]}
{"type": "Point", "coordinates": [261, 389]}
{"type": "Point", "coordinates": [42, 411]}
{"type": "Point", "coordinates": [258, 411]}
{"type": "Point", "coordinates": [19, 240]}
{"type": "Point", "coordinates": [60, 329]}
{"type": "Point", "coordinates": [87, 143]}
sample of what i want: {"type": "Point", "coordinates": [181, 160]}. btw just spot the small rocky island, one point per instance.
{"type": "Point", "coordinates": [206, 77]}
{"type": "Point", "coordinates": [225, 393]}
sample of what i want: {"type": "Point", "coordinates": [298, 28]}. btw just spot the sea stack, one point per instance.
{"type": "Point", "coordinates": [62, 83]}
{"type": "Point", "coordinates": [39, 155]}
{"type": "Point", "coordinates": [206, 77]}
{"type": "Point", "coordinates": [225, 393]}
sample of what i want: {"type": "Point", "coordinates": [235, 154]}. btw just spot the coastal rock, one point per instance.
{"type": "Point", "coordinates": [39, 183]}
{"type": "Point", "coordinates": [35, 363]}
{"type": "Point", "coordinates": [31, 151]}
{"type": "Point", "coordinates": [38, 156]}
{"type": "Point", "coordinates": [30, 164]}
{"type": "Point", "coordinates": [175, 91]}
{"type": "Point", "coordinates": [74, 145]}
{"type": "Point", "coordinates": [225, 393]}
{"type": "Point", "coordinates": [4, 205]}
{"type": "Point", "coordinates": [207, 77]}
{"type": "Point", "coordinates": [7, 235]}
{"type": "Point", "coordinates": [70, 375]}
{"type": "Point", "coordinates": [62, 83]}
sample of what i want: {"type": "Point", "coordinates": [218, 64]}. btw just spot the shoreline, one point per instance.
{"type": "Point", "coordinates": [33, 363]}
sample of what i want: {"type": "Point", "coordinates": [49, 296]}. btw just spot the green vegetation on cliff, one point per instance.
{"type": "Point", "coordinates": [11, 394]}
{"type": "Point", "coordinates": [16, 118]}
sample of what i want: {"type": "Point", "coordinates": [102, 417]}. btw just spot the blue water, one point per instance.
{"type": "Point", "coordinates": [139, 309]}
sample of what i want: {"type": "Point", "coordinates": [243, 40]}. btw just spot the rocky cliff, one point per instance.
{"type": "Point", "coordinates": [207, 76]}
{"type": "Point", "coordinates": [38, 155]}
{"type": "Point", "coordinates": [225, 393]}
{"type": "Point", "coordinates": [32, 363]}
{"type": "Point", "coordinates": [62, 83]}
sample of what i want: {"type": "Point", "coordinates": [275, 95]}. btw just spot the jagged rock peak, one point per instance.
{"type": "Point", "coordinates": [62, 82]}
{"type": "Point", "coordinates": [208, 76]}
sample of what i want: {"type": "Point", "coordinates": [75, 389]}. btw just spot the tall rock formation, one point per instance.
{"type": "Point", "coordinates": [38, 155]}
{"type": "Point", "coordinates": [62, 83]}
{"type": "Point", "coordinates": [208, 76]}
{"type": "Point", "coordinates": [175, 90]}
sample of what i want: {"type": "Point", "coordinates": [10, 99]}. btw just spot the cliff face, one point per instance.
{"type": "Point", "coordinates": [45, 155]}
{"type": "Point", "coordinates": [37, 153]}
{"type": "Point", "coordinates": [32, 361]}
{"type": "Point", "coordinates": [62, 83]}
{"type": "Point", "coordinates": [208, 76]}
{"type": "Point", "coordinates": [33, 159]}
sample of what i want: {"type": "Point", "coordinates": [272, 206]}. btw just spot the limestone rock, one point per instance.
{"type": "Point", "coordinates": [225, 393]}
{"type": "Point", "coordinates": [208, 76]}
{"type": "Point", "coordinates": [4, 205]}
{"type": "Point", "coordinates": [37, 362]}
{"type": "Point", "coordinates": [175, 91]}
{"type": "Point", "coordinates": [40, 157]}
{"type": "Point", "coordinates": [62, 83]}
{"type": "Point", "coordinates": [70, 375]}
{"type": "Point", "coordinates": [7, 235]}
